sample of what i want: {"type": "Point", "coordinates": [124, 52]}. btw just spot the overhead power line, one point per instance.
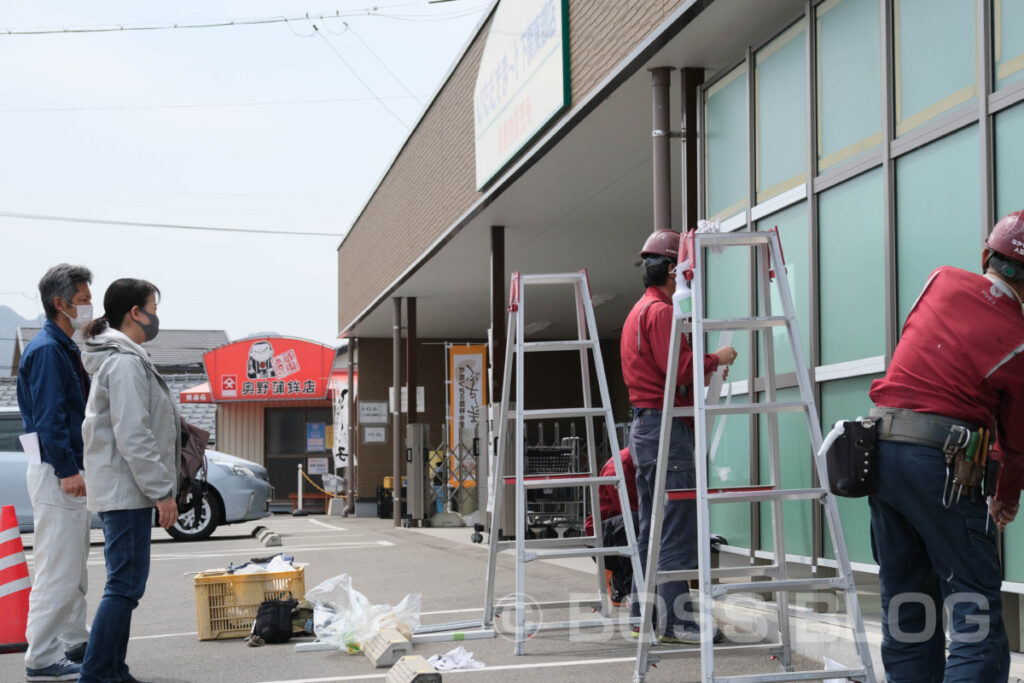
{"type": "Point", "coordinates": [166, 226]}
{"type": "Point", "coordinates": [374, 11]}
{"type": "Point", "coordinates": [355, 73]}
{"type": "Point", "coordinates": [381, 61]}
{"type": "Point", "coordinates": [271, 103]}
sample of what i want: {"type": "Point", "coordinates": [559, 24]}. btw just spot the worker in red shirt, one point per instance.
{"type": "Point", "coordinates": [644, 348]}
{"type": "Point", "coordinates": [959, 364]}
{"type": "Point", "coordinates": [619, 570]}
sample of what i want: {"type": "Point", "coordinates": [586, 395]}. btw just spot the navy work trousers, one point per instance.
{"type": "Point", "coordinates": [679, 530]}
{"type": "Point", "coordinates": [930, 557]}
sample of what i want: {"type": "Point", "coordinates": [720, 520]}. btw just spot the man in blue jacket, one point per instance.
{"type": "Point", "coordinates": [52, 389]}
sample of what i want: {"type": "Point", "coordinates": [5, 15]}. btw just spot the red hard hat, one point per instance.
{"type": "Point", "coordinates": [662, 243]}
{"type": "Point", "coordinates": [1007, 238]}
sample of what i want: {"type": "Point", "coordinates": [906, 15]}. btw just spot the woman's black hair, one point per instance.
{"type": "Point", "coordinates": [655, 270]}
{"type": "Point", "coordinates": [121, 297]}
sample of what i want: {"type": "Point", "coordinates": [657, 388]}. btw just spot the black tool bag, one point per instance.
{"type": "Point", "coordinates": [852, 460]}
{"type": "Point", "coordinates": [274, 621]}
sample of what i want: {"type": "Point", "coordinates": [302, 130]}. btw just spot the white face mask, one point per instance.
{"type": "Point", "coordinates": [84, 316]}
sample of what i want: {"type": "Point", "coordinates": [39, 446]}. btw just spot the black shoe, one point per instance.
{"type": "Point", "coordinates": [75, 654]}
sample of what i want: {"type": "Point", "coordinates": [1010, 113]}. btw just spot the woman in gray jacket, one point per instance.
{"type": "Point", "coordinates": [132, 452]}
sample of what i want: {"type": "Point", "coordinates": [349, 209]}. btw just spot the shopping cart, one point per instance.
{"type": "Point", "coordinates": [548, 510]}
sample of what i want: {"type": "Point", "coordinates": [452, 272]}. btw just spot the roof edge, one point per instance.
{"type": "Point", "coordinates": [412, 131]}
{"type": "Point", "coordinates": [629, 65]}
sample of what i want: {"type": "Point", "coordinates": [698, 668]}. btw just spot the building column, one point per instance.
{"type": "Point", "coordinates": [350, 466]}
{"type": "Point", "coordinates": [692, 78]}
{"type": "Point", "coordinates": [396, 413]}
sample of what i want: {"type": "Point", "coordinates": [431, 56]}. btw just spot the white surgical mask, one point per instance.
{"type": "Point", "coordinates": [84, 316]}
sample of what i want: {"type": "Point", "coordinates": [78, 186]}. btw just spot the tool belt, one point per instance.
{"type": "Point", "coordinates": [908, 426]}
{"type": "Point", "coordinates": [964, 447]}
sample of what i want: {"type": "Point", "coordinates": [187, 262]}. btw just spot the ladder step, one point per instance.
{"type": "Point", "coordinates": [744, 408]}
{"type": "Point", "coordinates": [563, 413]}
{"type": "Point", "coordinates": [544, 543]}
{"type": "Point", "coordinates": [551, 481]}
{"type": "Point", "coordinates": [839, 674]}
{"type": "Point", "coordinates": [752, 323]}
{"type": "Point", "coordinates": [719, 573]}
{"type": "Point", "coordinates": [677, 652]}
{"type": "Point", "coordinates": [731, 239]}
{"type": "Point", "coordinates": [747, 494]}
{"type": "Point", "coordinates": [559, 345]}
{"type": "Point", "coordinates": [550, 278]}
{"type": "Point", "coordinates": [778, 586]}
{"type": "Point", "coordinates": [576, 552]}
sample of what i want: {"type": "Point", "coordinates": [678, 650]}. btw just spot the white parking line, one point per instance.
{"type": "Point", "coordinates": [501, 667]}
{"type": "Point", "coordinates": [347, 545]}
{"type": "Point", "coordinates": [165, 635]}
{"type": "Point", "coordinates": [329, 526]}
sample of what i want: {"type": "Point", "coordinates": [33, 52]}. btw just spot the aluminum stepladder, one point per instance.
{"type": "Point", "coordinates": [587, 344]}
{"type": "Point", "coordinates": [770, 264]}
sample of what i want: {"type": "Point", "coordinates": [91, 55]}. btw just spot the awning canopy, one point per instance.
{"type": "Point", "coordinates": [200, 393]}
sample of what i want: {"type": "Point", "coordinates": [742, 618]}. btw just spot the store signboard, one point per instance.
{"type": "Point", "coordinates": [373, 412]}
{"type": "Point", "coordinates": [375, 434]}
{"type": "Point", "coordinates": [316, 465]}
{"type": "Point", "coordinates": [522, 82]}
{"type": "Point", "coordinates": [467, 392]}
{"type": "Point", "coordinates": [269, 369]}
{"type": "Point", "coordinates": [316, 437]}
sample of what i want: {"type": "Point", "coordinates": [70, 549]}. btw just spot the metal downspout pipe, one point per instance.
{"type": "Point", "coordinates": [661, 134]}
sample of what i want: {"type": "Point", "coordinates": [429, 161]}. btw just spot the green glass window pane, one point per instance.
{"type": "Point", "coordinates": [797, 471]}
{"type": "Point", "coordinates": [1009, 139]}
{"type": "Point", "coordinates": [780, 80]}
{"type": "Point", "coordinates": [728, 296]}
{"type": "Point", "coordinates": [846, 399]}
{"type": "Point", "coordinates": [793, 234]}
{"type": "Point", "coordinates": [848, 80]}
{"type": "Point", "coordinates": [935, 59]}
{"type": "Point", "coordinates": [1007, 42]}
{"type": "Point", "coordinates": [725, 123]}
{"type": "Point", "coordinates": [938, 205]}
{"type": "Point", "coordinates": [851, 269]}
{"type": "Point", "coordinates": [729, 465]}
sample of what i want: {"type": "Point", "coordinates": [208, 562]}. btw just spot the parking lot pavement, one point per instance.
{"type": "Point", "coordinates": [386, 563]}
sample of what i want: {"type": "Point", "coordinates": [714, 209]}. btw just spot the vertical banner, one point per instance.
{"type": "Point", "coordinates": [467, 366]}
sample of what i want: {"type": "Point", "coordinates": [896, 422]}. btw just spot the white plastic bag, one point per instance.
{"type": "Point", "coordinates": [343, 617]}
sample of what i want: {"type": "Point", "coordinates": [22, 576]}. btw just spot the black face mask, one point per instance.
{"type": "Point", "coordinates": [152, 328]}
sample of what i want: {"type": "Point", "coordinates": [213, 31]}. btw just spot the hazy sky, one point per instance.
{"type": "Point", "coordinates": [221, 127]}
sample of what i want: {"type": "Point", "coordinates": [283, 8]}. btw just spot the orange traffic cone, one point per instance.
{"type": "Point", "coordinates": [14, 584]}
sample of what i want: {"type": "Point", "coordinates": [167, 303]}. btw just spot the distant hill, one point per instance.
{"type": "Point", "coordinates": [10, 321]}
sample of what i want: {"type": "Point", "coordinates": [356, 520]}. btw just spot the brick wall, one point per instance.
{"type": "Point", "coordinates": [433, 182]}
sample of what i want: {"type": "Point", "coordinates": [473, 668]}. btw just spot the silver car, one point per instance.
{"type": "Point", "coordinates": [237, 490]}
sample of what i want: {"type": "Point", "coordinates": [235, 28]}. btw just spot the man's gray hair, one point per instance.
{"type": "Point", "coordinates": [62, 280]}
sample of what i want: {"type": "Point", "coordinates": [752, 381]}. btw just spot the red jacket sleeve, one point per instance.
{"type": "Point", "coordinates": [1010, 435]}
{"type": "Point", "coordinates": [661, 336]}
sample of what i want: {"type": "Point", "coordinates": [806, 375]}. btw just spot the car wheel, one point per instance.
{"type": "Point", "coordinates": [210, 514]}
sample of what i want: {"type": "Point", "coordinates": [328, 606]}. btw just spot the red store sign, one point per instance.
{"type": "Point", "coordinates": [269, 369]}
